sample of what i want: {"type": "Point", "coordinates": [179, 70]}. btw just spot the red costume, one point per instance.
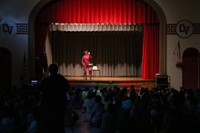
{"type": "Point", "coordinates": [85, 62]}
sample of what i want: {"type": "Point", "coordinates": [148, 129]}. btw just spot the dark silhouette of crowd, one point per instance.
{"type": "Point", "coordinates": [19, 110]}
{"type": "Point", "coordinates": [110, 109]}
{"type": "Point", "coordinates": [154, 111]}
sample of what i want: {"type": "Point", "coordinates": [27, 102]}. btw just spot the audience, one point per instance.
{"type": "Point", "coordinates": [87, 105]}
{"type": "Point", "coordinates": [84, 95]}
{"type": "Point", "coordinates": [110, 110]}
{"type": "Point", "coordinates": [97, 112]}
{"type": "Point", "coordinates": [109, 121]}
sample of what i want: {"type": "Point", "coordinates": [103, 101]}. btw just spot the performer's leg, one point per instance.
{"type": "Point", "coordinates": [90, 72]}
{"type": "Point", "coordinates": [85, 71]}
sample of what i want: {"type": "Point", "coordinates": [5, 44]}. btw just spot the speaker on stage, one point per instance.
{"type": "Point", "coordinates": [162, 81]}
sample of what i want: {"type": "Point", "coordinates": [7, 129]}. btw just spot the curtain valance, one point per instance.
{"type": "Point", "coordinates": [94, 27]}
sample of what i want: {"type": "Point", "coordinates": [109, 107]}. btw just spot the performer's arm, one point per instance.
{"type": "Point", "coordinates": [90, 55]}
{"type": "Point", "coordinates": [82, 61]}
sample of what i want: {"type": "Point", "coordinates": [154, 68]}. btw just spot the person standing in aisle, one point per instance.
{"type": "Point", "coordinates": [54, 90]}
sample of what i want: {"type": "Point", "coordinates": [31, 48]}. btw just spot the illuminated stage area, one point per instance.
{"type": "Point", "coordinates": [101, 82]}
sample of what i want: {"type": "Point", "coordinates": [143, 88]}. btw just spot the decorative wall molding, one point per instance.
{"type": "Point", "coordinates": [196, 28]}
{"type": "Point", "coordinates": [22, 28]}
{"type": "Point", "coordinates": [9, 29]}
{"type": "Point", "coordinates": [171, 29]}
{"type": "Point", "coordinates": [183, 29]}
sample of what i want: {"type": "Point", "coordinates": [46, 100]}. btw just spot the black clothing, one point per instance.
{"type": "Point", "coordinates": [53, 104]}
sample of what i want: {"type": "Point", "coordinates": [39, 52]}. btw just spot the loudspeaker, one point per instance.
{"type": "Point", "coordinates": [162, 79]}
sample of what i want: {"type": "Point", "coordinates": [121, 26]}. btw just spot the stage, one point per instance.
{"type": "Point", "coordinates": [110, 82]}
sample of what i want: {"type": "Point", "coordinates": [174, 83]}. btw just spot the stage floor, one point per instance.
{"type": "Point", "coordinates": [97, 78]}
{"type": "Point", "coordinates": [110, 81]}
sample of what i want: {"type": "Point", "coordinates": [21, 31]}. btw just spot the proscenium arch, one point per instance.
{"type": "Point", "coordinates": [162, 35]}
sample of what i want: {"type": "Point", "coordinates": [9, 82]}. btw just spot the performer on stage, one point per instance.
{"type": "Point", "coordinates": [85, 62]}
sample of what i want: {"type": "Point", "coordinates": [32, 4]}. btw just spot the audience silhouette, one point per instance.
{"type": "Point", "coordinates": [42, 109]}
{"type": "Point", "coordinates": [54, 101]}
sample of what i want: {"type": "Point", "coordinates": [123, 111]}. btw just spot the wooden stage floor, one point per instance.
{"type": "Point", "coordinates": [110, 81]}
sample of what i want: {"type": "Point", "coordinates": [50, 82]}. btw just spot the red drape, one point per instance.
{"type": "Point", "coordinates": [102, 11]}
{"type": "Point", "coordinates": [150, 53]}
{"type": "Point", "coordinates": [98, 11]}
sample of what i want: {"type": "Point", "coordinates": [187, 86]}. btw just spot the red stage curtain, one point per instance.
{"type": "Point", "coordinates": [150, 52]}
{"type": "Point", "coordinates": [103, 11]}
{"type": "Point", "coordinates": [98, 11]}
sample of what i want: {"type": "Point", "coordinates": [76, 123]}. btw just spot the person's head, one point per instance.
{"type": "Point", "coordinates": [53, 69]}
{"type": "Point", "coordinates": [85, 52]}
